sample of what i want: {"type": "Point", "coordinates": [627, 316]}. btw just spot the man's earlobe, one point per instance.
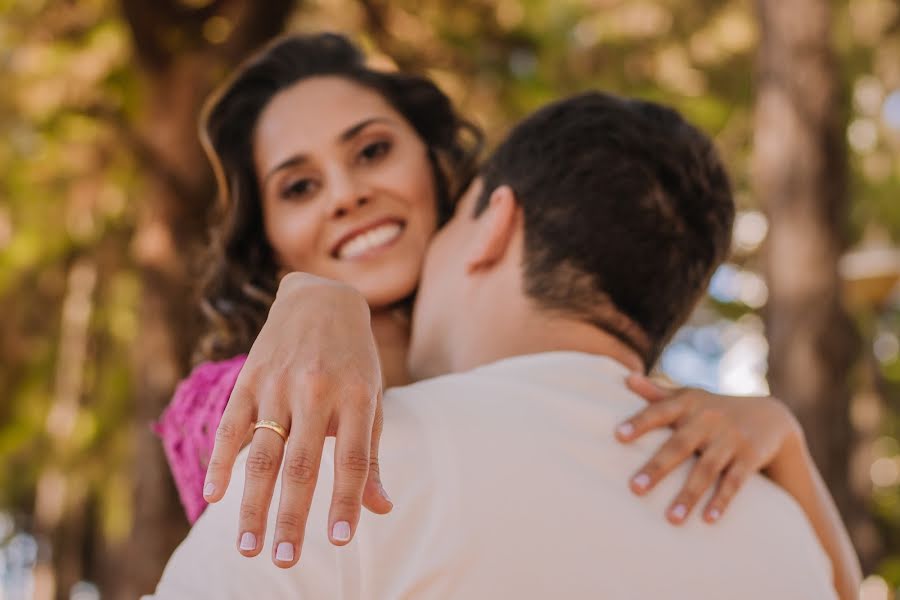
{"type": "Point", "coordinates": [495, 232]}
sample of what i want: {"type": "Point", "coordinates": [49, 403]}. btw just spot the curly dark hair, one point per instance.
{"type": "Point", "coordinates": [241, 275]}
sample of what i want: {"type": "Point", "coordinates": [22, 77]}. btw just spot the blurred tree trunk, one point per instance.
{"type": "Point", "coordinates": [800, 177]}
{"type": "Point", "coordinates": [182, 52]}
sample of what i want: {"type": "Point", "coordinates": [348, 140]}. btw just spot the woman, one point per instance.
{"type": "Point", "coordinates": [329, 168]}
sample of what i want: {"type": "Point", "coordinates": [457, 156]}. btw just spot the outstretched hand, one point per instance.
{"type": "Point", "coordinates": [732, 437]}
{"type": "Point", "coordinates": [314, 370]}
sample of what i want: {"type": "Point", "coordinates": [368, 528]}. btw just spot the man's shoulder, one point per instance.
{"type": "Point", "coordinates": [566, 372]}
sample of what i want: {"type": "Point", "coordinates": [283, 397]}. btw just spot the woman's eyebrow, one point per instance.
{"type": "Point", "coordinates": [293, 161]}
{"type": "Point", "coordinates": [352, 132]}
{"type": "Point", "coordinates": [346, 136]}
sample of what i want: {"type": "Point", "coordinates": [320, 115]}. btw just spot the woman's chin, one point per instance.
{"type": "Point", "coordinates": [384, 294]}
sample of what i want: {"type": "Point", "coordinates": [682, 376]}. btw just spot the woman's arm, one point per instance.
{"type": "Point", "coordinates": [314, 369]}
{"type": "Point", "coordinates": [793, 469]}
{"type": "Point", "coordinates": [734, 438]}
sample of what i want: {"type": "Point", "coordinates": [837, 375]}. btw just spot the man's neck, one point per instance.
{"type": "Point", "coordinates": [390, 328]}
{"type": "Point", "coordinates": [525, 329]}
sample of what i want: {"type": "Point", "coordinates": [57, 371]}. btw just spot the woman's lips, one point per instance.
{"type": "Point", "coordinates": [373, 237]}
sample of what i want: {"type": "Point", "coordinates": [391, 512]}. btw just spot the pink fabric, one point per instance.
{"type": "Point", "coordinates": [188, 427]}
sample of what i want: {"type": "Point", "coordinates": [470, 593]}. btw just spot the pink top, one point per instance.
{"type": "Point", "coordinates": [188, 427]}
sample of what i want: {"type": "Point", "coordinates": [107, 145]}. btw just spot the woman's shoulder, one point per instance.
{"type": "Point", "coordinates": [187, 426]}
{"type": "Point", "coordinates": [210, 383]}
{"type": "Point", "coordinates": [211, 376]}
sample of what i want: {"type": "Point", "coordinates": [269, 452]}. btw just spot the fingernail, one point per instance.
{"type": "Point", "coordinates": [341, 531]}
{"type": "Point", "coordinates": [678, 512]}
{"type": "Point", "coordinates": [625, 429]}
{"type": "Point", "coordinates": [641, 481]}
{"type": "Point", "coordinates": [714, 514]}
{"type": "Point", "coordinates": [248, 541]}
{"type": "Point", "coordinates": [209, 489]}
{"type": "Point", "coordinates": [284, 552]}
{"type": "Point", "coordinates": [385, 494]}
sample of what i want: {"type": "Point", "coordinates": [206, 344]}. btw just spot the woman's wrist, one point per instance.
{"type": "Point", "coordinates": [793, 455]}
{"type": "Point", "coordinates": [336, 292]}
{"type": "Point", "coordinates": [792, 467]}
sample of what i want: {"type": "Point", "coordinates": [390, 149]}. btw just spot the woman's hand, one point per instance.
{"type": "Point", "coordinates": [313, 369]}
{"type": "Point", "coordinates": [733, 436]}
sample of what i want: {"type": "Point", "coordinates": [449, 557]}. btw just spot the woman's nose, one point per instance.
{"type": "Point", "coordinates": [347, 196]}
{"type": "Point", "coordinates": [341, 210]}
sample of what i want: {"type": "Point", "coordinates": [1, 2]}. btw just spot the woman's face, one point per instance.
{"type": "Point", "coordinates": [346, 186]}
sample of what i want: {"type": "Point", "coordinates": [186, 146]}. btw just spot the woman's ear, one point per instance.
{"type": "Point", "coordinates": [495, 230]}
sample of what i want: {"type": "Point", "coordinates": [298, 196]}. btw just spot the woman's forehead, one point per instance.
{"type": "Point", "coordinates": [327, 103]}
{"type": "Point", "coordinates": [315, 113]}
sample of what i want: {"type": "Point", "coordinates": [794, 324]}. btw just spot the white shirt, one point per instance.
{"type": "Point", "coordinates": [507, 482]}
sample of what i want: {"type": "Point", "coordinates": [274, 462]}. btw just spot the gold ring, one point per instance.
{"type": "Point", "coordinates": [263, 424]}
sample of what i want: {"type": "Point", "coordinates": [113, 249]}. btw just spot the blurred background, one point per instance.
{"type": "Point", "coordinates": [104, 194]}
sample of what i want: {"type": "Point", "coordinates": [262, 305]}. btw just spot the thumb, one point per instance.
{"type": "Point", "coordinates": [374, 497]}
{"type": "Point", "coordinates": [641, 385]}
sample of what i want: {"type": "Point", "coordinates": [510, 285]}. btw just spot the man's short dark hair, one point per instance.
{"type": "Point", "coordinates": [628, 211]}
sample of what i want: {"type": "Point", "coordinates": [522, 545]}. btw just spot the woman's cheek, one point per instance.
{"type": "Point", "coordinates": [292, 238]}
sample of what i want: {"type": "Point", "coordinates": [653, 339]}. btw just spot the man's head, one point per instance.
{"type": "Point", "coordinates": [601, 209]}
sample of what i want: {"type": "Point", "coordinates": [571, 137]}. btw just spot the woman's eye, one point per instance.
{"type": "Point", "coordinates": [374, 151]}
{"type": "Point", "coordinates": [298, 188]}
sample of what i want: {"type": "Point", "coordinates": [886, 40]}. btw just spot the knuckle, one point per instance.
{"type": "Point", "coordinates": [680, 445]}
{"type": "Point", "coordinates": [378, 422]}
{"type": "Point", "coordinates": [226, 432]}
{"type": "Point", "coordinates": [672, 411]}
{"type": "Point", "coordinates": [727, 490]}
{"type": "Point", "coordinates": [250, 512]}
{"type": "Point", "coordinates": [673, 408]}
{"type": "Point", "coordinates": [643, 419]}
{"type": "Point", "coordinates": [315, 380]}
{"type": "Point", "coordinates": [752, 456]}
{"type": "Point", "coordinates": [653, 468]}
{"type": "Point", "coordinates": [300, 469]}
{"type": "Point", "coordinates": [688, 496]}
{"type": "Point", "coordinates": [290, 520]}
{"type": "Point", "coordinates": [737, 471]}
{"type": "Point", "coordinates": [355, 462]}
{"type": "Point", "coordinates": [345, 502]}
{"type": "Point", "coordinates": [261, 462]}
{"type": "Point", "coordinates": [359, 399]}
{"type": "Point", "coordinates": [732, 482]}
{"type": "Point", "coordinates": [243, 391]}
{"type": "Point", "coordinates": [707, 469]}
{"type": "Point", "coordinates": [216, 465]}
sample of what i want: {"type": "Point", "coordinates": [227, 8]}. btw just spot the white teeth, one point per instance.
{"type": "Point", "coordinates": [373, 238]}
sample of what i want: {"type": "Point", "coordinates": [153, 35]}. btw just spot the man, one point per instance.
{"type": "Point", "coordinates": [591, 235]}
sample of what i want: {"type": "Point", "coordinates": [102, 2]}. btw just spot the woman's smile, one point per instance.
{"type": "Point", "coordinates": [369, 240]}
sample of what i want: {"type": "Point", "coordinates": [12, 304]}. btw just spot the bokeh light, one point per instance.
{"type": "Point", "coordinates": [891, 111]}
{"type": "Point", "coordinates": [750, 229]}
{"type": "Point", "coordinates": [874, 588]}
{"type": "Point", "coordinates": [862, 135]}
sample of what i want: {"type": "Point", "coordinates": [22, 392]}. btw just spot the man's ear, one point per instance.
{"type": "Point", "coordinates": [495, 230]}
